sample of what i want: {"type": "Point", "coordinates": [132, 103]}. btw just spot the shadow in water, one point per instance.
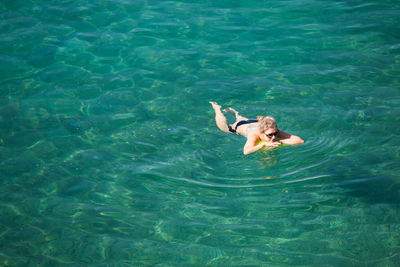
{"type": "Point", "coordinates": [268, 158]}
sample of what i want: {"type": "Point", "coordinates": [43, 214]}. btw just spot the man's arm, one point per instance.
{"type": "Point", "coordinates": [289, 139]}
{"type": "Point", "coordinates": [251, 146]}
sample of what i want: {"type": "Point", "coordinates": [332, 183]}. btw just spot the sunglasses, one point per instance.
{"type": "Point", "coordinates": [272, 134]}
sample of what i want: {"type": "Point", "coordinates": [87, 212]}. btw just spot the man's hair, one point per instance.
{"type": "Point", "coordinates": [266, 123]}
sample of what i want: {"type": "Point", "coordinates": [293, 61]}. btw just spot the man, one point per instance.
{"type": "Point", "coordinates": [262, 129]}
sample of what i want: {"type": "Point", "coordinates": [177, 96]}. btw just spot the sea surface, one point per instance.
{"type": "Point", "coordinates": [110, 156]}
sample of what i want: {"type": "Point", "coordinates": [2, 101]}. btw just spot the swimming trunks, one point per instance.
{"type": "Point", "coordinates": [240, 123]}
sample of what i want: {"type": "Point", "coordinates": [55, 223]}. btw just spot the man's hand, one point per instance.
{"type": "Point", "coordinates": [271, 144]}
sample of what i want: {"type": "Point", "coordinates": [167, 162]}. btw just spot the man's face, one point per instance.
{"type": "Point", "coordinates": [270, 134]}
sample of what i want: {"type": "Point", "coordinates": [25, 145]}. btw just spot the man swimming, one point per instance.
{"type": "Point", "coordinates": [261, 129]}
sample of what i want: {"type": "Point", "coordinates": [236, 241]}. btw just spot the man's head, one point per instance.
{"type": "Point", "coordinates": [267, 125]}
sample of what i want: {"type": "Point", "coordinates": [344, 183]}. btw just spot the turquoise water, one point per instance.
{"type": "Point", "coordinates": [110, 156]}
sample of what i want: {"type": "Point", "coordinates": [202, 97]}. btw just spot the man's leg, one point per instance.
{"type": "Point", "coordinates": [220, 118]}
{"type": "Point", "coordinates": [238, 117]}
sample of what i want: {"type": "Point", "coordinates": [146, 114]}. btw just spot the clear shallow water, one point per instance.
{"type": "Point", "coordinates": [110, 155]}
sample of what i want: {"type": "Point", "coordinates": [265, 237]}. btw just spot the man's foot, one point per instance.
{"type": "Point", "coordinates": [231, 110]}
{"type": "Point", "coordinates": [215, 105]}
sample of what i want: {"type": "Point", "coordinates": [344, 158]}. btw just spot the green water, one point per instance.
{"type": "Point", "coordinates": [110, 156]}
